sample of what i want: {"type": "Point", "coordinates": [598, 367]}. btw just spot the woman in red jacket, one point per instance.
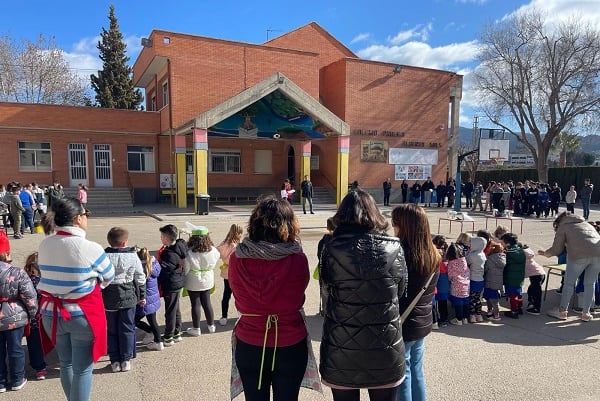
{"type": "Point", "coordinates": [268, 273]}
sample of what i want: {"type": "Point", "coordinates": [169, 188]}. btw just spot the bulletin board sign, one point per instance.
{"type": "Point", "coordinates": [412, 172]}
{"type": "Point", "coordinates": [413, 156]}
{"type": "Point", "coordinates": [374, 151]}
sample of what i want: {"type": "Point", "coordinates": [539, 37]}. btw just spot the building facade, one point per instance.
{"type": "Point", "coordinates": [233, 119]}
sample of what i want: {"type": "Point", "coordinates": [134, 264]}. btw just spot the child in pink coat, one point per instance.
{"type": "Point", "coordinates": [458, 274]}
{"type": "Point", "coordinates": [537, 275]}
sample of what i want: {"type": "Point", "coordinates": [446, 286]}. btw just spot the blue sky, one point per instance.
{"type": "Point", "coordinates": [439, 34]}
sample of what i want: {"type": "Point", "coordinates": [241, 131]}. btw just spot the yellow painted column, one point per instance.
{"type": "Point", "coordinates": [200, 143]}
{"type": "Point", "coordinates": [180, 173]}
{"type": "Point", "coordinates": [342, 168]}
{"type": "Point", "coordinates": [305, 160]}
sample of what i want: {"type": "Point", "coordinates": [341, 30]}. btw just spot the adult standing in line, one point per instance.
{"type": "Point", "coordinates": [268, 274]}
{"type": "Point", "coordinates": [415, 193]}
{"type": "Point", "coordinates": [451, 192]}
{"type": "Point", "coordinates": [440, 194]}
{"type": "Point", "coordinates": [55, 192]}
{"type": "Point", "coordinates": [307, 194]}
{"type": "Point", "coordinates": [404, 190]}
{"type": "Point", "coordinates": [411, 226]}
{"type": "Point", "coordinates": [362, 343]}
{"type": "Point", "coordinates": [387, 191]}
{"type": "Point", "coordinates": [73, 270]}
{"type": "Point", "coordinates": [427, 188]}
{"type": "Point", "coordinates": [477, 194]}
{"type": "Point", "coordinates": [570, 198]}
{"type": "Point", "coordinates": [468, 191]}
{"type": "Point", "coordinates": [583, 249]}
{"type": "Point", "coordinates": [586, 196]}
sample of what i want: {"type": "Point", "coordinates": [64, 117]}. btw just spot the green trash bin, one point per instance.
{"type": "Point", "coordinates": [203, 203]}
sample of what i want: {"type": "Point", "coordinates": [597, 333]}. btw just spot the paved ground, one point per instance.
{"type": "Point", "coordinates": [534, 357]}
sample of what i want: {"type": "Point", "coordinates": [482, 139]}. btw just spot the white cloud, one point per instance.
{"type": "Point", "coordinates": [419, 32]}
{"type": "Point", "coordinates": [587, 11]}
{"type": "Point", "coordinates": [422, 54]}
{"type": "Point", "coordinates": [360, 38]}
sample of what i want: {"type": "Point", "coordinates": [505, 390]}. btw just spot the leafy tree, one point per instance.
{"type": "Point", "coordinates": [542, 78]}
{"type": "Point", "coordinates": [37, 72]}
{"type": "Point", "coordinates": [114, 85]}
{"type": "Point", "coordinates": [565, 142]}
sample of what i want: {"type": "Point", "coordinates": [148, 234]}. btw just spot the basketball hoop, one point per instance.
{"type": "Point", "coordinates": [499, 161]}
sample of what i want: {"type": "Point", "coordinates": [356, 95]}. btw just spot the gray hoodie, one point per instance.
{"type": "Point", "coordinates": [476, 258]}
{"type": "Point", "coordinates": [580, 237]}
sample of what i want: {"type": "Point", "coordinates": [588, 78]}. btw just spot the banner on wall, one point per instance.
{"type": "Point", "coordinates": [166, 183]}
{"type": "Point", "coordinates": [374, 151]}
{"type": "Point", "coordinates": [415, 172]}
{"type": "Point", "coordinates": [413, 156]}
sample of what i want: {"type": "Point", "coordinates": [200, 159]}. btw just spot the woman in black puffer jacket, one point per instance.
{"type": "Point", "coordinates": [422, 260]}
{"type": "Point", "coordinates": [364, 273]}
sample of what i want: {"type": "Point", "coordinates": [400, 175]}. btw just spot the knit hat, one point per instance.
{"type": "Point", "coordinates": [200, 230]}
{"type": "Point", "coordinates": [4, 243]}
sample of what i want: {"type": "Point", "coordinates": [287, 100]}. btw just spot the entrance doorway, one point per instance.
{"type": "Point", "coordinates": [102, 166]}
{"type": "Point", "coordinates": [291, 170]}
{"type": "Point", "coordinates": [78, 166]}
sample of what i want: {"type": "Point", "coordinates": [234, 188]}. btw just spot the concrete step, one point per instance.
{"type": "Point", "coordinates": [105, 198]}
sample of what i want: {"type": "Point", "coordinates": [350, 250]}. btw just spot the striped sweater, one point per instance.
{"type": "Point", "coordinates": [71, 266]}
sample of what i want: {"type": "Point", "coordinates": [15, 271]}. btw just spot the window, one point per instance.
{"type": "Point", "coordinates": [224, 161]}
{"type": "Point", "coordinates": [140, 158]}
{"type": "Point", "coordinates": [165, 93]}
{"type": "Point", "coordinates": [153, 103]}
{"type": "Point", "coordinates": [263, 161]}
{"type": "Point", "coordinates": [35, 156]}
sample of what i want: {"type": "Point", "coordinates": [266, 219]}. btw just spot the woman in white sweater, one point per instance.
{"type": "Point", "coordinates": [570, 199]}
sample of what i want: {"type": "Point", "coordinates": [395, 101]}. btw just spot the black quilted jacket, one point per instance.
{"type": "Point", "coordinates": [365, 274]}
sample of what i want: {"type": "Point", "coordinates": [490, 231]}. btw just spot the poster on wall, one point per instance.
{"type": "Point", "coordinates": [166, 182]}
{"type": "Point", "coordinates": [374, 151]}
{"type": "Point", "coordinates": [414, 172]}
{"type": "Point", "coordinates": [413, 156]}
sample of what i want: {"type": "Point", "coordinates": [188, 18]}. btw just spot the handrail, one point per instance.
{"type": "Point", "coordinates": [131, 189]}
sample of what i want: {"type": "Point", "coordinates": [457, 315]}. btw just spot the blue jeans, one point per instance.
{"type": "Point", "coordinates": [413, 386]}
{"type": "Point", "coordinates": [11, 350]}
{"type": "Point", "coordinates": [34, 348]}
{"type": "Point", "coordinates": [74, 341]}
{"type": "Point", "coordinates": [27, 220]}
{"type": "Point", "coordinates": [590, 267]}
{"type": "Point", "coordinates": [121, 334]}
{"type": "Point", "coordinates": [585, 204]}
{"type": "Point", "coordinates": [309, 199]}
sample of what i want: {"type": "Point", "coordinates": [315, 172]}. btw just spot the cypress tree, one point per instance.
{"type": "Point", "coordinates": [114, 85]}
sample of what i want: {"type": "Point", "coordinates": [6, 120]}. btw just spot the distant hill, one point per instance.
{"type": "Point", "coordinates": [589, 143]}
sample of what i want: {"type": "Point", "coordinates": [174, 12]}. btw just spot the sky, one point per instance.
{"type": "Point", "coordinates": [439, 34]}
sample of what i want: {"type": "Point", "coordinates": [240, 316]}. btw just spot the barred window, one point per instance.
{"type": "Point", "coordinates": [225, 161]}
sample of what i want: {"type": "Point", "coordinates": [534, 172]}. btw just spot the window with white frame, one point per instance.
{"type": "Point", "coordinates": [224, 161]}
{"type": "Point", "coordinates": [153, 103]}
{"type": "Point", "coordinates": [35, 156]}
{"type": "Point", "coordinates": [140, 158]}
{"type": "Point", "coordinates": [165, 93]}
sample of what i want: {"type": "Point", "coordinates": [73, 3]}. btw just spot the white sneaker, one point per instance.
{"type": "Point", "coordinates": [125, 366]}
{"type": "Point", "coordinates": [193, 331]}
{"type": "Point", "coordinates": [223, 321]}
{"type": "Point", "coordinates": [116, 367]}
{"type": "Point", "coordinates": [148, 338]}
{"type": "Point", "coordinates": [212, 328]}
{"type": "Point", "coordinates": [156, 346]}
{"type": "Point", "coordinates": [455, 322]}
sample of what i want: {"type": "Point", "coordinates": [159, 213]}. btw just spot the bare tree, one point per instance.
{"type": "Point", "coordinates": [38, 73]}
{"type": "Point", "coordinates": [470, 162]}
{"type": "Point", "coordinates": [539, 78]}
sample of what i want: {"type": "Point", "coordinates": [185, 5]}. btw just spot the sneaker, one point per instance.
{"type": "Point", "coordinates": [177, 337]}
{"type": "Point", "coordinates": [478, 318]}
{"type": "Point", "coordinates": [2, 390]}
{"type": "Point", "coordinates": [19, 386]}
{"type": "Point", "coordinates": [168, 341]}
{"type": "Point", "coordinates": [116, 367]}
{"type": "Point", "coordinates": [533, 311]}
{"type": "Point", "coordinates": [586, 317]}
{"type": "Point", "coordinates": [156, 346]}
{"type": "Point", "coordinates": [443, 324]}
{"type": "Point", "coordinates": [472, 319]}
{"type": "Point", "coordinates": [212, 328]}
{"type": "Point", "coordinates": [41, 374]}
{"type": "Point", "coordinates": [495, 317]}
{"type": "Point", "coordinates": [465, 321]}
{"type": "Point", "coordinates": [148, 338]}
{"type": "Point", "coordinates": [193, 331]}
{"type": "Point", "coordinates": [456, 322]}
{"type": "Point", "coordinates": [125, 366]}
{"type": "Point", "coordinates": [558, 314]}
{"type": "Point", "coordinates": [511, 314]}
{"type": "Point", "coordinates": [435, 326]}
{"type": "Point", "coordinates": [223, 321]}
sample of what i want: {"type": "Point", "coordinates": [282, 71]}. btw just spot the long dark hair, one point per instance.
{"type": "Point", "coordinates": [420, 252]}
{"type": "Point", "coordinates": [273, 220]}
{"type": "Point", "coordinates": [358, 208]}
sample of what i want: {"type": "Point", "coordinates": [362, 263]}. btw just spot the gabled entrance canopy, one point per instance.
{"type": "Point", "coordinates": [276, 82]}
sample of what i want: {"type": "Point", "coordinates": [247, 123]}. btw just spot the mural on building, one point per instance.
{"type": "Point", "coordinates": [374, 151]}
{"type": "Point", "coordinates": [274, 116]}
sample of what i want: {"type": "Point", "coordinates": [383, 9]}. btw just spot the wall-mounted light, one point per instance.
{"type": "Point", "coordinates": [276, 136]}
{"type": "Point", "coordinates": [441, 126]}
{"type": "Point", "coordinates": [146, 42]}
{"type": "Point", "coordinates": [397, 69]}
{"type": "Point", "coordinates": [280, 78]}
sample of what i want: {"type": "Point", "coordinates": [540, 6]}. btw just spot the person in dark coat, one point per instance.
{"type": "Point", "coordinates": [468, 192]}
{"type": "Point", "coordinates": [440, 194]}
{"type": "Point", "coordinates": [387, 191]}
{"type": "Point", "coordinates": [364, 272]}
{"type": "Point", "coordinates": [404, 190]}
{"type": "Point", "coordinates": [411, 226]}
